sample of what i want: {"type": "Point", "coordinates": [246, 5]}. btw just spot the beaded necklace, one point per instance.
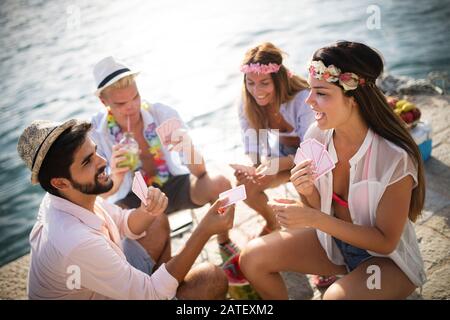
{"type": "Point", "coordinates": [155, 149]}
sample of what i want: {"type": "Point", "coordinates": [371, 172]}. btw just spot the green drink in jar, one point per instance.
{"type": "Point", "coordinates": [132, 155]}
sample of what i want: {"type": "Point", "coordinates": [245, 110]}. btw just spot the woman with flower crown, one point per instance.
{"type": "Point", "coordinates": [356, 220]}
{"type": "Point", "coordinates": [274, 118]}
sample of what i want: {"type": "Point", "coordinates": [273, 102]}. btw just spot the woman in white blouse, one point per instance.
{"type": "Point", "coordinates": [357, 220]}
{"type": "Point", "coordinates": [274, 118]}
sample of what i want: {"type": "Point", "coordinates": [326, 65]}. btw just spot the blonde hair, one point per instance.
{"type": "Point", "coordinates": [285, 87]}
{"type": "Point", "coordinates": [122, 83]}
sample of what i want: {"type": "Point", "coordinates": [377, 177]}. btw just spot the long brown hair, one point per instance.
{"type": "Point", "coordinates": [285, 87]}
{"type": "Point", "coordinates": [367, 63]}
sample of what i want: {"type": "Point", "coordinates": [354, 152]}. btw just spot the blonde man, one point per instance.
{"type": "Point", "coordinates": [184, 180]}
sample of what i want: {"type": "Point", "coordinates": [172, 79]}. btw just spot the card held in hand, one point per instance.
{"type": "Point", "coordinates": [166, 129]}
{"type": "Point", "coordinates": [317, 148]}
{"type": "Point", "coordinates": [299, 156]}
{"type": "Point", "coordinates": [234, 195]}
{"type": "Point", "coordinates": [139, 187]}
{"type": "Point", "coordinates": [306, 149]}
{"type": "Point", "coordinates": [317, 152]}
{"type": "Point", "coordinates": [325, 164]}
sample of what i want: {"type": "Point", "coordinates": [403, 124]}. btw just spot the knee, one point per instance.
{"type": "Point", "coordinates": [217, 277]}
{"type": "Point", "coordinates": [335, 292]}
{"type": "Point", "coordinates": [205, 282]}
{"type": "Point", "coordinates": [220, 184]}
{"type": "Point", "coordinates": [252, 257]}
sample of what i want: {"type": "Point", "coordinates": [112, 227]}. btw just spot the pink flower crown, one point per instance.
{"type": "Point", "coordinates": [348, 80]}
{"type": "Point", "coordinates": [260, 68]}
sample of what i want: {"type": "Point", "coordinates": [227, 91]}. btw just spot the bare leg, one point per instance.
{"type": "Point", "coordinates": [207, 189]}
{"type": "Point", "coordinates": [204, 282]}
{"type": "Point", "coordinates": [157, 240]}
{"type": "Point", "coordinates": [165, 256]}
{"type": "Point", "coordinates": [298, 250]}
{"type": "Point", "coordinates": [257, 199]}
{"type": "Point", "coordinates": [394, 284]}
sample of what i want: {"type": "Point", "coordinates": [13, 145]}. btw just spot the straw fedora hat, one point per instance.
{"type": "Point", "coordinates": [36, 140]}
{"type": "Point", "coordinates": [109, 70]}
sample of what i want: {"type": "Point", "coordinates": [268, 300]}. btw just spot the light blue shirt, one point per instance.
{"type": "Point", "coordinates": [296, 112]}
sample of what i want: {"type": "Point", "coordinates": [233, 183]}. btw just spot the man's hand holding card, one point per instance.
{"type": "Point", "coordinates": [172, 134]}
{"type": "Point", "coordinates": [153, 200]}
{"type": "Point", "coordinates": [233, 195]}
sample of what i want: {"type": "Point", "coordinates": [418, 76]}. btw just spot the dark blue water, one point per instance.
{"type": "Point", "coordinates": [189, 53]}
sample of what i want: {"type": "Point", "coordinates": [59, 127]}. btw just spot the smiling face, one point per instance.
{"type": "Point", "coordinates": [124, 103]}
{"type": "Point", "coordinates": [261, 88]}
{"type": "Point", "coordinates": [332, 108]}
{"type": "Point", "coordinates": [88, 171]}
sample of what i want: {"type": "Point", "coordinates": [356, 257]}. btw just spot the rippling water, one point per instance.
{"type": "Point", "coordinates": [189, 53]}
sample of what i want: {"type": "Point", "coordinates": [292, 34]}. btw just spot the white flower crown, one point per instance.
{"type": "Point", "coordinates": [348, 80]}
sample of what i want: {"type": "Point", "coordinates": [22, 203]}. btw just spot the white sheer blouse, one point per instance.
{"type": "Point", "coordinates": [377, 164]}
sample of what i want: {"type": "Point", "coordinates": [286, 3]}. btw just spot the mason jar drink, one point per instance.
{"type": "Point", "coordinates": [132, 155]}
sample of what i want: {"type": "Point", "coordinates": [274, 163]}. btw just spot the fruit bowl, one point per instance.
{"type": "Point", "coordinates": [406, 110]}
{"type": "Point", "coordinates": [412, 124]}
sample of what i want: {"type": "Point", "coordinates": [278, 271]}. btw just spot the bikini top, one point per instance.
{"type": "Point", "coordinates": [340, 201]}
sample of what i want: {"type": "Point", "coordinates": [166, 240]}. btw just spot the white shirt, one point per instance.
{"type": "Point", "coordinates": [296, 112]}
{"type": "Point", "coordinates": [377, 164]}
{"type": "Point", "coordinates": [101, 136]}
{"type": "Point", "coordinates": [67, 240]}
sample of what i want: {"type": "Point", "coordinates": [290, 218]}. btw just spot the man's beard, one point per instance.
{"type": "Point", "coordinates": [93, 188]}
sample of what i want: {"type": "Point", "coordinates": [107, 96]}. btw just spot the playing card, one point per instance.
{"type": "Point", "coordinates": [166, 129]}
{"type": "Point", "coordinates": [316, 149]}
{"type": "Point", "coordinates": [139, 187]}
{"type": "Point", "coordinates": [306, 148]}
{"type": "Point", "coordinates": [247, 169]}
{"type": "Point", "coordinates": [173, 124]}
{"type": "Point", "coordinates": [299, 156]}
{"type": "Point", "coordinates": [325, 164]}
{"type": "Point", "coordinates": [234, 195]}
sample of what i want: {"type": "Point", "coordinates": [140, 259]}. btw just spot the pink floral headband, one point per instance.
{"type": "Point", "coordinates": [260, 68]}
{"type": "Point", "coordinates": [348, 80]}
{"type": "Point", "coordinates": [263, 68]}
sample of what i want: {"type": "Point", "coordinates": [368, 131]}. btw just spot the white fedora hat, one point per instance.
{"type": "Point", "coordinates": [109, 70]}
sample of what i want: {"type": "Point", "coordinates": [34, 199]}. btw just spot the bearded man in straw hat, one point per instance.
{"type": "Point", "coordinates": [82, 247]}
{"type": "Point", "coordinates": [180, 172]}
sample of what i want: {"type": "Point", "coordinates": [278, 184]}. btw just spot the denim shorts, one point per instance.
{"type": "Point", "coordinates": [286, 150]}
{"type": "Point", "coordinates": [137, 256]}
{"type": "Point", "coordinates": [353, 256]}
